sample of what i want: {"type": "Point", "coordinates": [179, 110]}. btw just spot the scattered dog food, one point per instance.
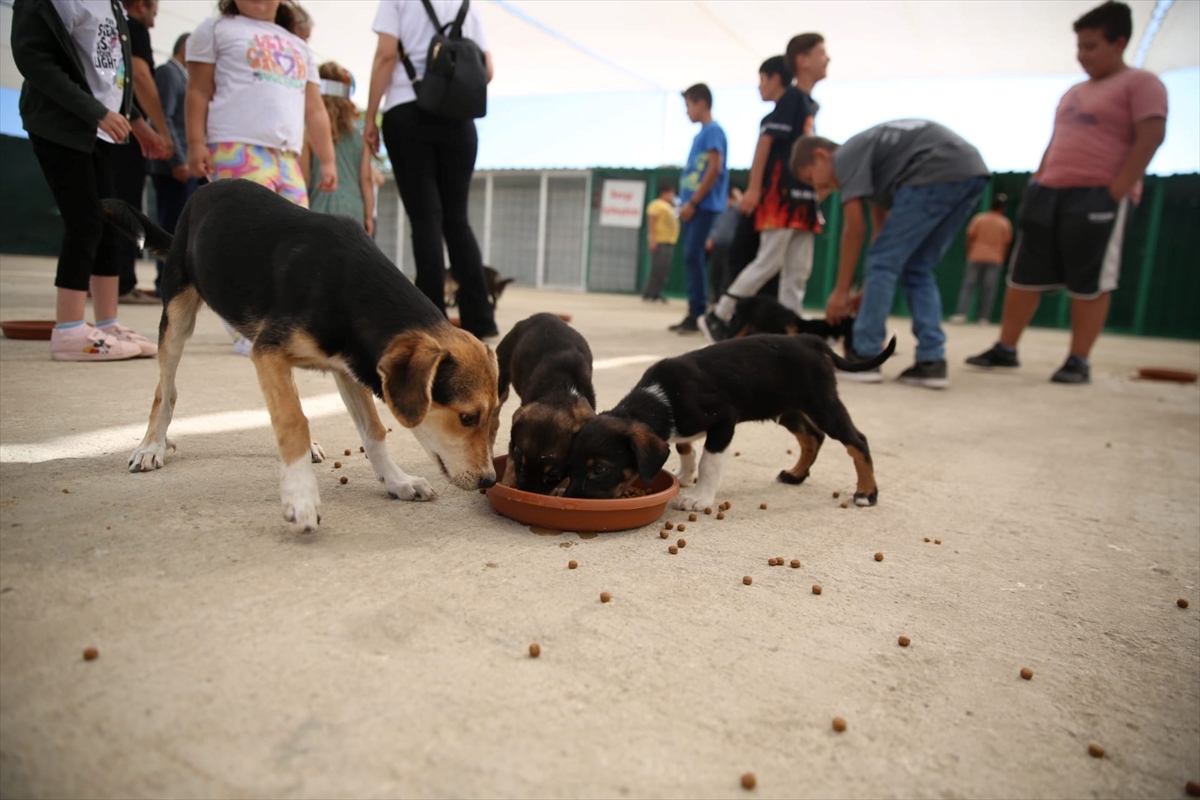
{"type": "Point", "coordinates": [771, 562]}
{"type": "Point", "coordinates": [746, 579]}
{"type": "Point", "coordinates": [1192, 788]}
{"type": "Point", "coordinates": [789, 452]}
{"type": "Point", "coordinates": [672, 549]}
{"type": "Point", "coordinates": [535, 649]}
{"type": "Point", "coordinates": [839, 724]}
{"type": "Point", "coordinates": [720, 515]}
{"type": "Point", "coordinates": [749, 781]}
{"type": "Point", "coordinates": [763, 506]}
{"type": "Point", "coordinates": [735, 455]}
{"type": "Point", "coordinates": [91, 654]}
{"type": "Point", "coordinates": [879, 556]}
{"type": "Point", "coordinates": [66, 491]}
{"type": "Point", "coordinates": [605, 597]}
{"type": "Point", "coordinates": [816, 588]}
{"type": "Point", "coordinates": [669, 525]}
{"type": "Point", "coordinates": [845, 504]}
{"type": "Point", "coordinates": [337, 465]}
{"type": "Point", "coordinates": [681, 527]}
{"type": "Point", "coordinates": [572, 565]}
{"type": "Point", "coordinates": [708, 510]}
{"type": "Point", "coordinates": [343, 480]}
{"type": "Point", "coordinates": [682, 543]}
{"type": "Point", "coordinates": [1027, 673]}
{"type": "Point", "coordinates": [346, 452]}
{"type": "Point", "coordinates": [937, 541]}
{"type": "Point", "coordinates": [728, 505]}
{"type": "Point", "coordinates": [904, 641]}
{"type": "Point", "coordinates": [1182, 602]}
{"type": "Point", "coordinates": [1095, 750]}
{"type": "Point", "coordinates": [664, 534]}
{"type": "Point", "coordinates": [927, 538]}
{"type": "Point", "coordinates": [836, 495]}
{"type": "Point", "coordinates": [691, 517]}
{"type": "Point", "coordinates": [360, 449]}
{"type": "Point", "coordinates": [795, 563]}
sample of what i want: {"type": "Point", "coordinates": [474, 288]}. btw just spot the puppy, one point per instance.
{"type": "Point", "coordinates": [706, 393]}
{"type": "Point", "coordinates": [549, 365]}
{"type": "Point", "coordinates": [762, 314]}
{"type": "Point", "coordinates": [312, 290]}
{"type": "Point", "coordinates": [491, 277]}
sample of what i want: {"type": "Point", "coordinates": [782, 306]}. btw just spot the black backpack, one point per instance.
{"type": "Point", "coordinates": [455, 82]}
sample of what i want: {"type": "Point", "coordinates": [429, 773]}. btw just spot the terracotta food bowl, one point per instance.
{"type": "Point", "coordinates": [585, 516]}
{"type": "Point", "coordinates": [1163, 374]}
{"type": "Point", "coordinates": [27, 328]}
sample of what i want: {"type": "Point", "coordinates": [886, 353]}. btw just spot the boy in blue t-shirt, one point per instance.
{"type": "Point", "coordinates": [703, 188]}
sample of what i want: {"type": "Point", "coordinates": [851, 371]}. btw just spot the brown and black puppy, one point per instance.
{"type": "Point", "coordinates": [491, 278]}
{"type": "Point", "coordinates": [549, 365]}
{"type": "Point", "coordinates": [762, 314]}
{"type": "Point", "coordinates": [705, 394]}
{"type": "Point", "coordinates": [312, 290]}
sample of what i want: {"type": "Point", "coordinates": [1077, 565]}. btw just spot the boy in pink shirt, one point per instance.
{"type": "Point", "coordinates": [1077, 205]}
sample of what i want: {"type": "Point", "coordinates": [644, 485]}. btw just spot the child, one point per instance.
{"type": "Point", "coordinates": [252, 91]}
{"type": "Point", "coordinates": [988, 238]}
{"type": "Point", "coordinates": [354, 199]}
{"type": "Point", "coordinates": [662, 233]}
{"type": "Point", "coordinates": [923, 180]}
{"type": "Point", "coordinates": [77, 103]}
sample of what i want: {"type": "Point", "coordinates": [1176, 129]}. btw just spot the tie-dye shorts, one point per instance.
{"type": "Point", "coordinates": [278, 170]}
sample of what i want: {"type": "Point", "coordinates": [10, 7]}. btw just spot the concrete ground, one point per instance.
{"type": "Point", "coordinates": [386, 655]}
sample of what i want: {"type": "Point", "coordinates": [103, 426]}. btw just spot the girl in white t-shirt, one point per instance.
{"type": "Point", "coordinates": [252, 90]}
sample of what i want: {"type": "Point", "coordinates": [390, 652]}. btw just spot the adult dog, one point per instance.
{"type": "Point", "coordinates": [312, 290]}
{"type": "Point", "coordinates": [705, 394]}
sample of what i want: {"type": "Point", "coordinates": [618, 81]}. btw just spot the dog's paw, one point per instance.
{"type": "Point", "coordinates": [691, 502]}
{"type": "Point", "coordinates": [300, 497]}
{"type": "Point", "coordinates": [862, 499]}
{"type": "Point", "coordinates": [408, 487]}
{"type": "Point", "coordinates": [150, 456]}
{"type": "Point", "coordinates": [788, 478]}
{"type": "Point", "coordinates": [685, 480]}
{"type": "Point", "coordinates": [303, 513]}
{"type": "Point", "coordinates": [318, 455]}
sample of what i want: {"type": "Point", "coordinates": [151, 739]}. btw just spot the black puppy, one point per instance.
{"type": "Point", "coordinates": [762, 314]}
{"type": "Point", "coordinates": [705, 394]}
{"type": "Point", "coordinates": [549, 365]}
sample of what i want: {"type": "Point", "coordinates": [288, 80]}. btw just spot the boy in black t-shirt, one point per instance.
{"type": "Point", "coordinates": [785, 213]}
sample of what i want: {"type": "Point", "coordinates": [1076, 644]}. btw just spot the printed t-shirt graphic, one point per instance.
{"type": "Point", "coordinates": [786, 202]}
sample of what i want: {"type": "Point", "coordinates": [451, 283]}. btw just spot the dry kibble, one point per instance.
{"type": "Point", "coordinates": [673, 549]}
{"type": "Point", "coordinates": [763, 506]}
{"type": "Point", "coordinates": [749, 781]}
{"type": "Point", "coordinates": [337, 465]}
{"type": "Point", "coordinates": [605, 597]}
{"type": "Point", "coordinates": [1192, 788]}
{"type": "Point", "coordinates": [682, 543]}
{"type": "Point", "coordinates": [346, 452]}
{"type": "Point", "coordinates": [91, 654]}
{"type": "Point", "coordinates": [1095, 750]}
{"type": "Point", "coordinates": [836, 495]}
{"type": "Point", "coordinates": [789, 452]}
{"type": "Point", "coordinates": [535, 649]}
{"type": "Point", "coordinates": [664, 534]}
{"type": "Point", "coordinates": [746, 579]}
{"type": "Point", "coordinates": [879, 556]}
{"type": "Point", "coordinates": [343, 480]}
{"type": "Point", "coordinates": [691, 517]}
{"type": "Point", "coordinates": [839, 724]}
{"type": "Point", "coordinates": [937, 541]}
{"type": "Point", "coordinates": [572, 564]}
{"type": "Point", "coordinates": [904, 641]}
{"type": "Point", "coordinates": [360, 449]}
{"type": "Point", "coordinates": [681, 527]}
{"type": "Point", "coordinates": [845, 504]}
{"type": "Point", "coordinates": [669, 525]}
{"type": "Point", "coordinates": [1182, 602]}
{"type": "Point", "coordinates": [66, 491]}
{"type": "Point", "coordinates": [708, 510]}
{"type": "Point", "coordinates": [728, 505]}
{"type": "Point", "coordinates": [795, 563]}
{"type": "Point", "coordinates": [720, 515]}
{"type": "Point", "coordinates": [1026, 673]}
{"type": "Point", "coordinates": [927, 538]}
{"type": "Point", "coordinates": [816, 588]}
{"type": "Point", "coordinates": [770, 562]}
{"type": "Point", "coordinates": [736, 454]}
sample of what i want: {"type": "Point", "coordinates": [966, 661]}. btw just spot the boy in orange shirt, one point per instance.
{"type": "Point", "coordinates": [988, 237]}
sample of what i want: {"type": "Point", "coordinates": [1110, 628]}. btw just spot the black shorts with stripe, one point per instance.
{"type": "Point", "coordinates": [1070, 238]}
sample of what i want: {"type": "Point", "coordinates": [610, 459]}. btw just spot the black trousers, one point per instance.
{"type": "Point", "coordinates": [129, 183]}
{"type": "Point", "coordinates": [433, 160]}
{"type": "Point", "coordinates": [169, 196]}
{"type": "Point", "coordinates": [78, 181]}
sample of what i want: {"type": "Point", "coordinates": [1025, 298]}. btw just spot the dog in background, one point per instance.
{"type": "Point", "coordinates": [549, 365]}
{"type": "Point", "coordinates": [763, 314]}
{"type": "Point", "coordinates": [705, 394]}
{"type": "Point", "coordinates": [491, 278]}
{"type": "Point", "coordinates": [312, 290]}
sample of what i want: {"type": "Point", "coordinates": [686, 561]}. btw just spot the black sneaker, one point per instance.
{"type": "Point", "coordinates": [714, 328]}
{"type": "Point", "coordinates": [930, 374]}
{"type": "Point", "coordinates": [996, 357]}
{"type": "Point", "coordinates": [1075, 370]}
{"type": "Point", "coordinates": [688, 325]}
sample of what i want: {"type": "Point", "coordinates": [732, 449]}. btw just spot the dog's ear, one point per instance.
{"type": "Point", "coordinates": [581, 412]}
{"type": "Point", "coordinates": [649, 451]}
{"type": "Point", "coordinates": [500, 284]}
{"type": "Point", "coordinates": [407, 370]}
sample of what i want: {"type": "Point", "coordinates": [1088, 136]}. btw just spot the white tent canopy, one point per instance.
{"type": "Point", "coordinates": [547, 47]}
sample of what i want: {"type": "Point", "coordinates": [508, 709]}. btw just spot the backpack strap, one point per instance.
{"type": "Point", "coordinates": [456, 30]}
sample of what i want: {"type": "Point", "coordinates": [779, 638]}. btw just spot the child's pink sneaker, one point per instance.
{"type": "Point", "coordinates": [123, 334]}
{"type": "Point", "coordinates": [86, 343]}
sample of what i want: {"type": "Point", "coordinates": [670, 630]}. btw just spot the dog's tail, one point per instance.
{"type": "Point", "coordinates": [862, 366]}
{"type": "Point", "coordinates": [135, 225]}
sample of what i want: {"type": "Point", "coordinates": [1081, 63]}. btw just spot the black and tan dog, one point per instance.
{"type": "Point", "coordinates": [312, 290]}
{"type": "Point", "coordinates": [705, 394]}
{"type": "Point", "coordinates": [549, 365]}
{"type": "Point", "coordinates": [762, 314]}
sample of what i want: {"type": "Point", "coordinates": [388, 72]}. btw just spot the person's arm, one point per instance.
{"type": "Point", "coordinates": [854, 228]}
{"type": "Point", "coordinates": [651, 214]}
{"type": "Point", "coordinates": [306, 162]}
{"type": "Point", "coordinates": [199, 94]}
{"type": "Point", "coordinates": [366, 184]}
{"type": "Point", "coordinates": [316, 121]}
{"type": "Point", "coordinates": [711, 173]}
{"type": "Point", "coordinates": [146, 92]}
{"type": "Point", "coordinates": [387, 53]}
{"type": "Point", "coordinates": [487, 62]}
{"type": "Point", "coordinates": [754, 189]}
{"type": "Point", "coordinates": [1147, 136]}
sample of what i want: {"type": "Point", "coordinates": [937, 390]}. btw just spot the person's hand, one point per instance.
{"type": "Point", "coordinates": [180, 173]}
{"type": "Point", "coordinates": [329, 178]}
{"type": "Point", "coordinates": [653, 246]}
{"type": "Point", "coordinates": [369, 223]}
{"type": "Point", "coordinates": [115, 126]}
{"type": "Point", "coordinates": [749, 202]}
{"type": "Point", "coordinates": [200, 161]}
{"type": "Point", "coordinates": [153, 145]}
{"type": "Point", "coordinates": [687, 211]}
{"type": "Point", "coordinates": [708, 245]}
{"type": "Point", "coordinates": [371, 135]}
{"type": "Point", "coordinates": [856, 302]}
{"type": "Point", "coordinates": [837, 307]}
{"type": "Point", "coordinates": [1116, 193]}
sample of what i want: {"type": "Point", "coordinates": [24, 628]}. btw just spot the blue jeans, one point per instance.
{"type": "Point", "coordinates": [923, 223]}
{"type": "Point", "coordinates": [695, 233]}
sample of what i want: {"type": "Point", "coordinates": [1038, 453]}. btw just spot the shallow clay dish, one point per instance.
{"type": "Point", "coordinates": [27, 328]}
{"type": "Point", "coordinates": [1163, 374]}
{"type": "Point", "coordinates": [585, 516]}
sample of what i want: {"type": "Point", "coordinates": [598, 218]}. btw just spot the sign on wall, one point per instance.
{"type": "Point", "coordinates": [621, 203]}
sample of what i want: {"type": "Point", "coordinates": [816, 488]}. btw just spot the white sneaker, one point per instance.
{"type": "Point", "coordinates": [87, 343]}
{"type": "Point", "coordinates": [957, 319]}
{"type": "Point", "coordinates": [241, 345]}
{"type": "Point", "coordinates": [122, 334]}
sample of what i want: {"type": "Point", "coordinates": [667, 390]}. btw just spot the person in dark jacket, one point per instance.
{"type": "Point", "coordinates": [76, 105]}
{"type": "Point", "coordinates": [173, 184]}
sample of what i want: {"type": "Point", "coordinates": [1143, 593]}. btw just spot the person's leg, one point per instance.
{"type": "Point", "coordinates": [1019, 307]}
{"type": "Point", "coordinates": [416, 180]}
{"type": "Point", "coordinates": [695, 233]}
{"type": "Point", "coordinates": [797, 267]}
{"type": "Point", "coordinates": [970, 282]}
{"type": "Point", "coordinates": [987, 296]}
{"type": "Point", "coordinates": [720, 269]}
{"type": "Point", "coordinates": [170, 196]}
{"type": "Point", "coordinates": [772, 250]}
{"type": "Point", "coordinates": [129, 184]}
{"type": "Point", "coordinates": [1087, 321]}
{"type": "Point", "coordinates": [290, 182]}
{"type": "Point", "coordinates": [660, 270]}
{"type": "Point", "coordinates": [743, 249]}
{"type": "Point", "coordinates": [456, 148]}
